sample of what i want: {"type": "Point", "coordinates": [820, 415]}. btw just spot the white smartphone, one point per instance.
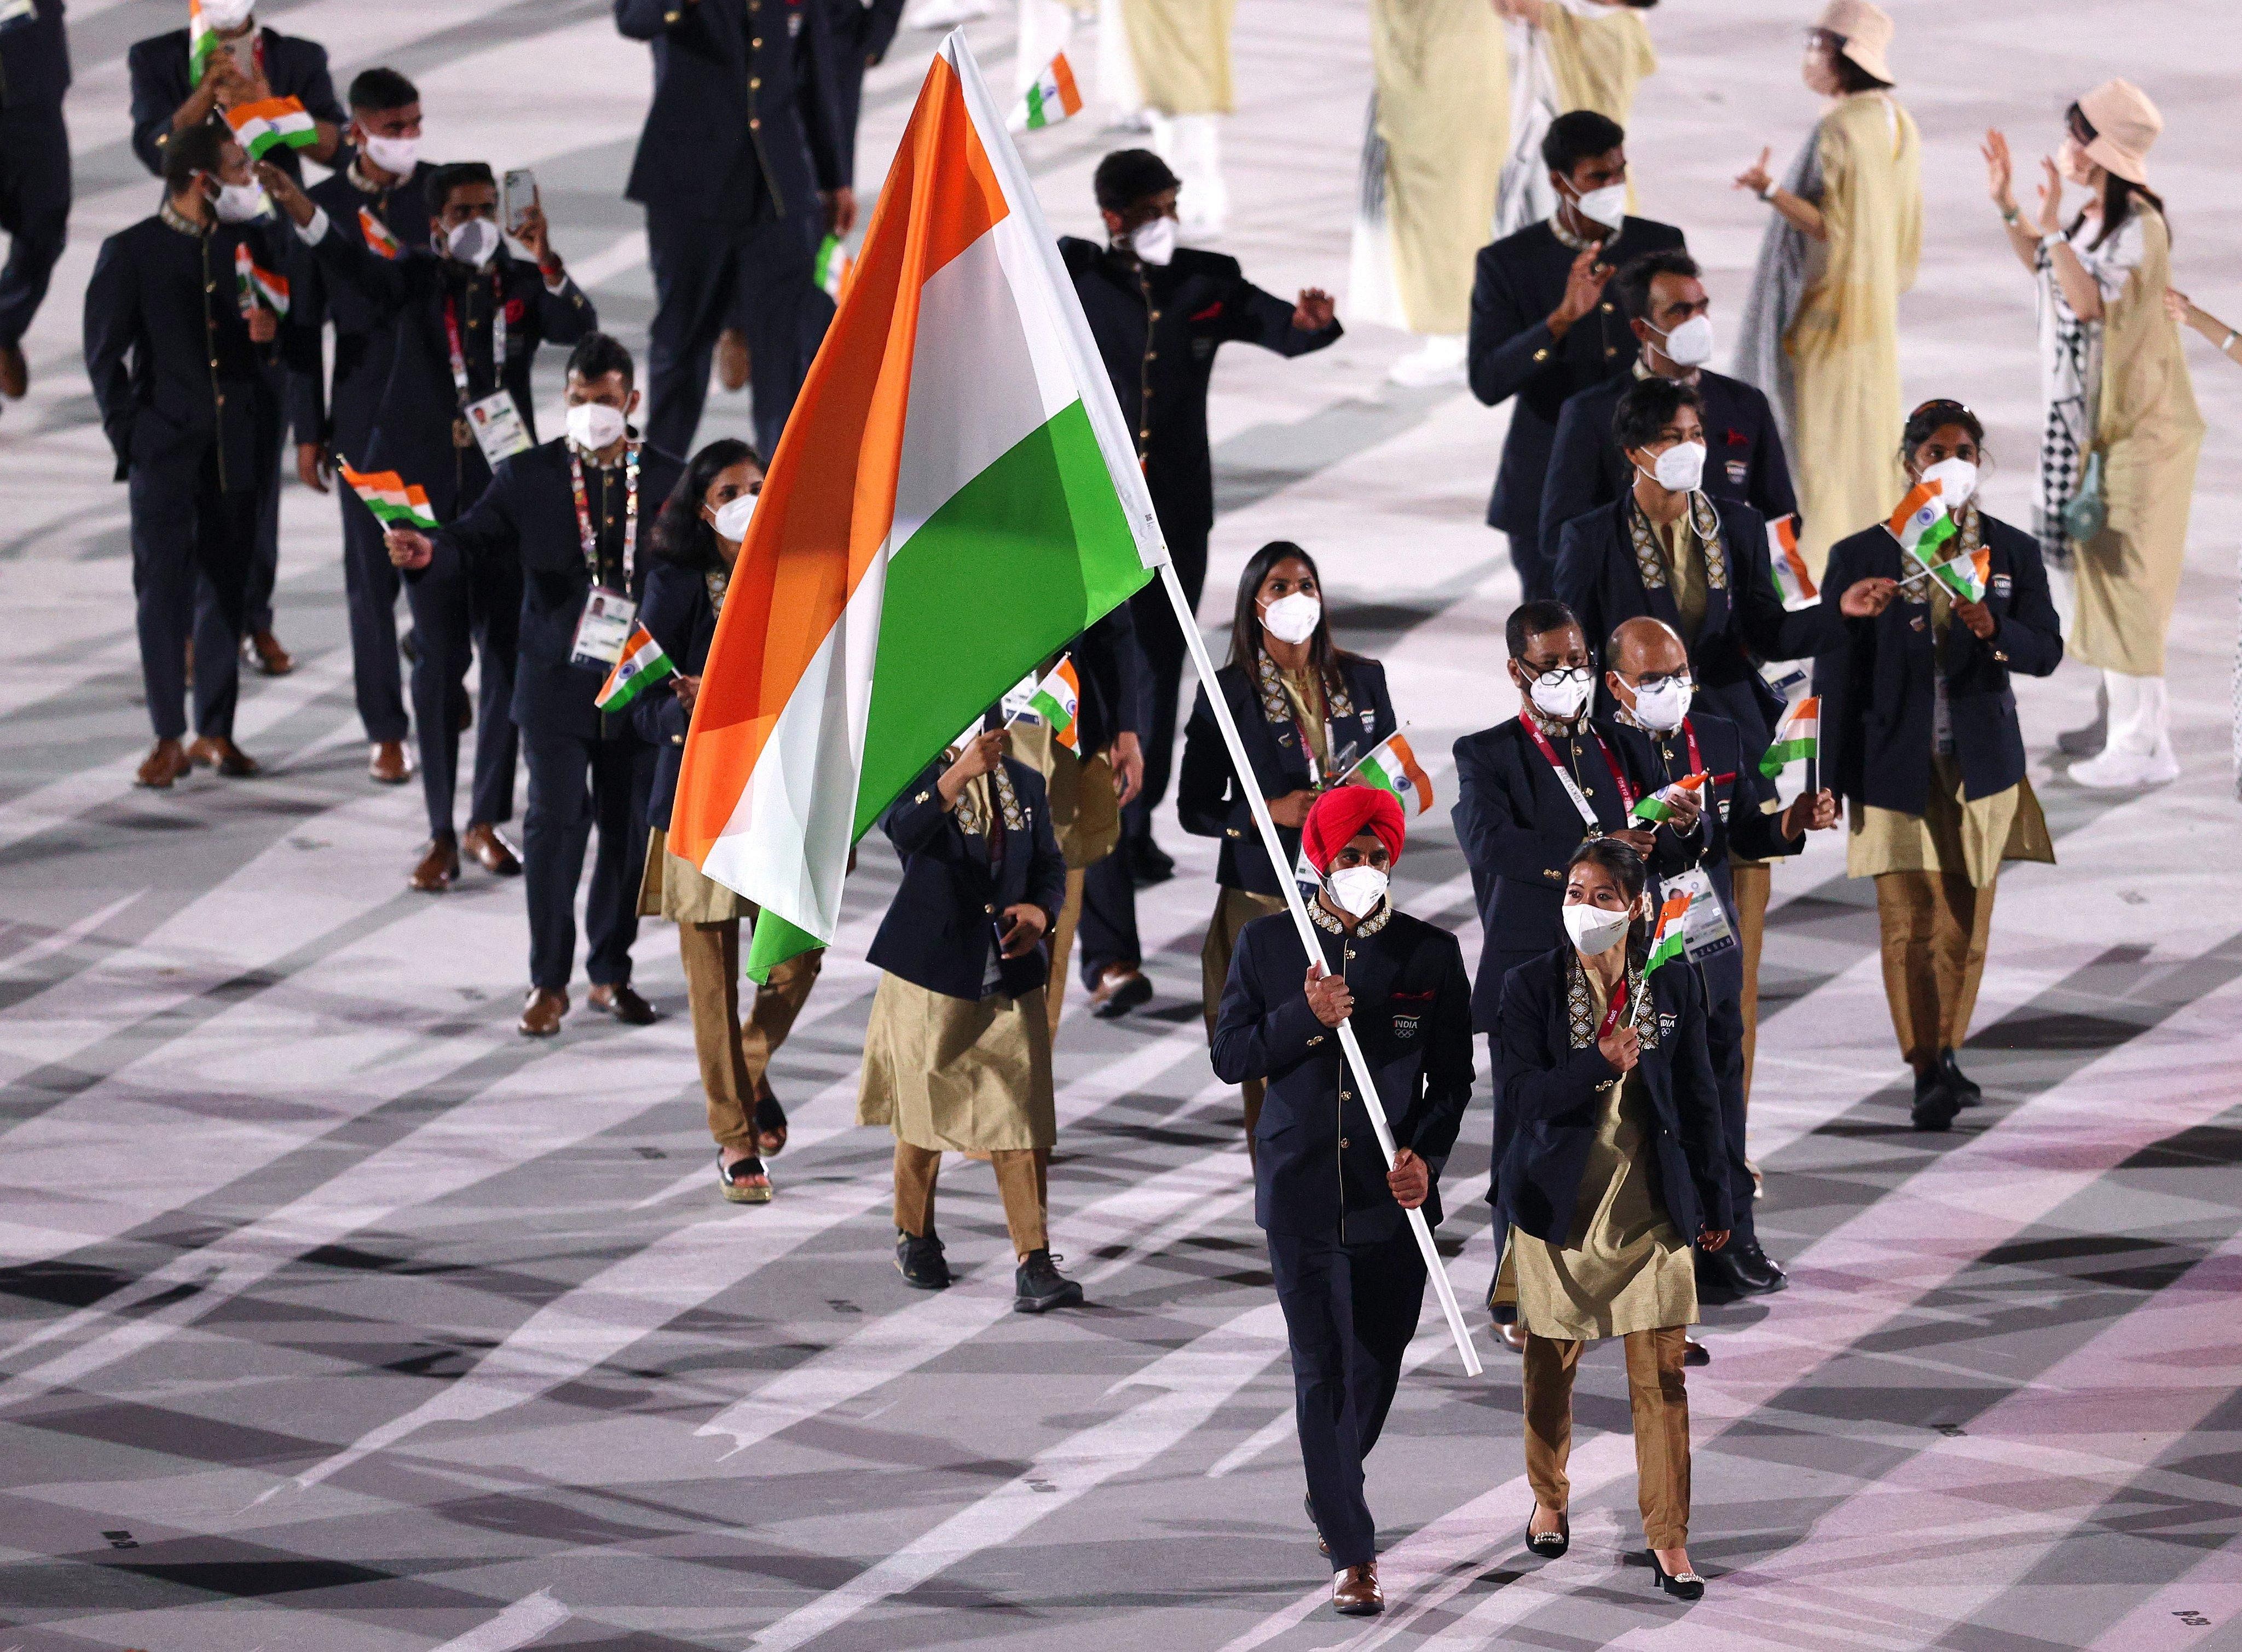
{"type": "Point", "coordinates": [519, 195]}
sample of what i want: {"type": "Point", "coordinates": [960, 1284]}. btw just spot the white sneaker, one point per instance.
{"type": "Point", "coordinates": [2120, 768]}
{"type": "Point", "coordinates": [1440, 360]}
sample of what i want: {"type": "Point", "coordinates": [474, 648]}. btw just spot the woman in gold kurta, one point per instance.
{"type": "Point", "coordinates": [1610, 1168]}
{"type": "Point", "coordinates": [2120, 430]}
{"type": "Point", "coordinates": [1821, 329]}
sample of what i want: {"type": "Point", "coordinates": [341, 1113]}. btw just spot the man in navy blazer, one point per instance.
{"type": "Point", "coordinates": [741, 170]}
{"type": "Point", "coordinates": [575, 514]}
{"type": "Point", "coordinates": [251, 65]}
{"type": "Point", "coordinates": [34, 176]}
{"type": "Point", "coordinates": [1542, 328]}
{"type": "Point", "coordinates": [1667, 310]}
{"type": "Point", "coordinates": [1348, 1272]}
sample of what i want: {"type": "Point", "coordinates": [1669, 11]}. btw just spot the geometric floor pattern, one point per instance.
{"type": "Point", "coordinates": [336, 1317]}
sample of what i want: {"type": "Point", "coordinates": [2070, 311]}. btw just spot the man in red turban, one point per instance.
{"type": "Point", "coordinates": [1347, 1270]}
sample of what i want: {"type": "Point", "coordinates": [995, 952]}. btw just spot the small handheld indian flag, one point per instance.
{"type": "Point", "coordinates": [394, 503]}
{"type": "Point", "coordinates": [1667, 941]}
{"type": "Point", "coordinates": [1659, 806]}
{"type": "Point", "coordinates": [834, 267]}
{"type": "Point", "coordinates": [1392, 766]}
{"type": "Point", "coordinates": [378, 237]}
{"type": "Point", "coordinates": [259, 284]}
{"type": "Point", "coordinates": [1793, 583]}
{"type": "Point", "coordinates": [271, 123]}
{"type": "Point", "coordinates": [1054, 698]}
{"type": "Point", "coordinates": [642, 665]}
{"type": "Point", "coordinates": [1793, 755]}
{"type": "Point", "coordinates": [1050, 100]}
{"type": "Point", "coordinates": [1925, 531]}
{"type": "Point", "coordinates": [202, 41]}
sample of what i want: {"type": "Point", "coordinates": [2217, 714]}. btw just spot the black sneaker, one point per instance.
{"type": "Point", "coordinates": [1038, 1287]}
{"type": "Point", "coordinates": [919, 1261]}
{"type": "Point", "coordinates": [1755, 1271]}
{"type": "Point", "coordinates": [1966, 1091]}
{"type": "Point", "coordinates": [1934, 1104]}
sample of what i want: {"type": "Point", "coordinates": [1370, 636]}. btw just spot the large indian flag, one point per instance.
{"type": "Point", "coordinates": [955, 498]}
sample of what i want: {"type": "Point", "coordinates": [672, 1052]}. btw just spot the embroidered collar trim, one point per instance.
{"type": "Point", "coordinates": [1370, 925]}
{"type": "Point", "coordinates": [1550, 727]}
{"type": "Point", "coordinates": [172, 219]}
{"type": "Point", "coordinates": [1650, 558]}
{"type": "Point", "coordinates": [1277, 706]}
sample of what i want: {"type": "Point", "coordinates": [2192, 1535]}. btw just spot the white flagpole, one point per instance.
{"type": "Point", "coordinates": [1372, 1104]}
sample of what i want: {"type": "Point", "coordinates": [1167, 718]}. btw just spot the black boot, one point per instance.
{"type": "Point", "coordinates": [1755, 1271]}
{"type": "Point", "coordinates": [1934, 1104]}
{"type": "Point", "coordinates": [1038, 1287]}
{"type": "Point", "coordinates": [920, 1262]}
{"type": "Point", "coordinates": [1966, 1092]}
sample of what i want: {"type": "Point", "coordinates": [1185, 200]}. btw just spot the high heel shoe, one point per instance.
{"type": "Point", "coordinates": [1550, 1546]}
{"type": "Point", "coordinates": [1682, 1586]}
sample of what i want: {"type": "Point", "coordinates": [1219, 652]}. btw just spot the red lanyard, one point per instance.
{"type": "Point", "coordinates": [1612, 1013]}
{"type": "Point", "coordinates": [1696, 759]}
{"type": "Point", "coordinates": [1625, 791]}
{"type": "Point", "coordinates": [590, 534]}
{"type": "Point", "coordinates": [459, 356]}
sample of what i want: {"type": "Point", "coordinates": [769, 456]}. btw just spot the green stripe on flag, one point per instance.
{"type": "Point", "coordinates": [1670, 947]}
{"type": "Point", "coordinates": [1036, 115]}
{"type": "Point", "coordinates": [1785, 752]}
{"type": "Point", "coordinates": [774, 941]}
{"type": "Point", "coordinates": [989, 552]}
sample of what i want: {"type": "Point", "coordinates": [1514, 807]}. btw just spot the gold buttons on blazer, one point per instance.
{"type": "Point", "coordinates": [990, 908]}
{"type": "Point", "coordinates": [1342, 1140]}
{"type": "Point", "coordinates": [1541, 355]}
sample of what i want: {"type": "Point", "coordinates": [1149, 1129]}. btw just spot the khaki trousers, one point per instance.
{"type": "Point", "coordinates": [1061, 946]}
{"type": "Point", "coordinates": [1660, 1403]}
{"type": "Point", "coordinates": [1751, 880]}
{"type": "Point", "coordinates": [1022, 1182]}
{"type": "Point", "coordinates": [1936, 925]}
{"type": "Point", "coordinates": [734, 1060]}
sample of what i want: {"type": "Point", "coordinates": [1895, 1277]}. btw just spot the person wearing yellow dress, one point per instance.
{"type": "Point", "coordinates": [1181, 50]}
{"type": "Point", "coordinates": [1431, 158]}
{"type": "Point", "coordinates": [1820, 330]}
{"type": "Point", "coordinates": [2120, 431]}
{"type": "Point", "coordinates": [1565, 55]}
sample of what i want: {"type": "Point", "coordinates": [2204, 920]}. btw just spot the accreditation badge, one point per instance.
{"type": "Point", "coordinates": [498, 427]}
{"type": "Point", "coordinates": [602, 629]}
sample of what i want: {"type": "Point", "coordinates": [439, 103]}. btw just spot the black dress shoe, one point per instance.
{"type": "Point", "coordinates": [1754, 1271]}
{"type": "Point", "coordinates": [1934, 1104]}
{"type": "Point", "coordinates": [1038, 1287]}
{"type": "Point", "coordinates": [920, 1261]}
{"type": "Point", "coordinates": [1682, 1586]}
{"type": "Point", "coordinates": [1149, 864]}
{"type": "Point", "coordinates": [1966, 1089]}
{"type": "Point", "coordinates": [1550, 1546]}
{"type": "Point", "coordinates": [622, 1004]}
{"type": "Point", "coordinates": [1694, 1352]}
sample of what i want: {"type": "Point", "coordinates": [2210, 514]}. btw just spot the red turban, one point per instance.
{"type": "Point", "coordinates": [1342, 814]}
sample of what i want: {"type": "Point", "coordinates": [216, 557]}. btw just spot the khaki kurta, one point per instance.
{"type": "Point", "coordinates": [962, 1075]}
{"type": "Point", "coordinates": [1598, 62]}
{"type": "Point", "coordinates": [1970, 835]}
{"type": "Point", "coordinates": [2148, 431]}
{"type": "Point", "coordinates": [1181, 50]}
{"type": "Point", "coordinates": [1442, 110]}
{"type": "Point", "coordinates": [1844, 345]}
{"type": "Point", "coordinates": [674, 888]}
{"type": "Point", "coordinates": [1084, 815]}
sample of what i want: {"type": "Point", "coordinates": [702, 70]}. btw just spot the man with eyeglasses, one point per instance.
{"type": "Point", "coordinates": [1665, 739]}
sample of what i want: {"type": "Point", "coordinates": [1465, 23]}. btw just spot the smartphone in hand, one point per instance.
{"type": "Point", "coordinates": [519, 195]}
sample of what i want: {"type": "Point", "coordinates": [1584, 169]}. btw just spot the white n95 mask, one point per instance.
{"type": "Point", "coordinates": [474, 242]}
{"type": "Point", "coordinates": [398, 156]}
{"type": "Point", "coordinates": [1606, 206]}
{"type": "Point", "coordinates": [1681, 467]}
{"type": "Point", "coordinates": [1957, 480]}
{"type": "Point", "coordinates": [593, 425]}
{"type": "Point", "coordinates": [1561, 694]}
{"type": "Point", "coordinates": [1661, 707]}
{"type": "Point", "coordinates": [240, 203]}
{"type": "Point", "coordinates": [1154, 241]}
{"type": "Point", "coordinates": [1593, 931]}
{"type": "Point", "coordinates": [1689, 345]}
{"type": "Point", "coordinates": [733, 516]}
{"type": "Point", "coordinates": [1292, 619]}
{"type": "Point", "coordinates": [1357, 889]}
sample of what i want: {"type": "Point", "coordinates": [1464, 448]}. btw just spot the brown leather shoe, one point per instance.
{"type": "Point", "coordinates": [622, 1004]}
{"type": "Point", "coordinates": [219, 753]}
{"type": "Point", "coordinates": [541, 1013]}
{"type": "Point", "coordinates": [261, 651]}
{"type": "Point", "coordinates": [493, 853]}
{"type": "Point", "coordinates": [386, 763]}
{"type": "Point", "coordinates": [438, 869]}
{"type": "Point", "coordinates": [732, 363]}
{"type": "Point", "coordinates": [15, 376]}
{"type": "Point", "coordinates": [166, 762]}
{"type": "Point", "coordinates": [1355, 1592]}
{"type": "Point", "coordinates": [1120, 989]}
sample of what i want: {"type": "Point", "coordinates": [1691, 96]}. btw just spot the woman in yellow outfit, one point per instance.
{"type": "Point", "coordinates": [1821, 329]}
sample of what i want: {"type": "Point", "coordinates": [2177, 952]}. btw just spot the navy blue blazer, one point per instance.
{"type": "Point", "coordinates": [418, 401]}
{"type": "Point", "coordinates": [862, 32]}
{"type": "Point", "coordinates": [1317, 1167]}
{"type": "Point", "coordinates": [941, 927]}
{"type": "Point", "coordinates": [1878, 698]}
{"type": "Point", "coordinates": [365, 332]}
{"type": "Point", "coordinates": [174, 370]}
{"type": "Point", "coordinates": [1114, 680]}
{"type": "Point", "coordinates": [1517, 829]}
{"type": "Point", "coordinates": [1208, 800]}
{"type": "Point", "coordinates": [677, 612]}
{"type": "Point", "coordinates": [1599, 580]}
{"type": "Point", "coordinates": [1158, 328]}
{"type": "Point", "coordinates": [1744, 459]}
{"type": "Point", "coordinates": [745, 108]}
{"type": "Point", "coordinates": [1518, 282]}
{"type": "Point", "coordinates": [35, 66]}
{"type": "Point", "coordinates": [529, 513]}
{"type": "Point", "coordinates": [293, 67]}
{"type": "Point", "coordinates": [1547, 1120]}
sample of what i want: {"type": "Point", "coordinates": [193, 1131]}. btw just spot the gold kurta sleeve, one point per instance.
{"type": "Point", "coordinates": [1598, 62]}
{"type": "Point", "coordinates": [1181, 49]}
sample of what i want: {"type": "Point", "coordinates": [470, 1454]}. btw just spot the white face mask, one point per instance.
{"type": "Point", "coordinates": [474, 242]}
{"type": "Point", "coordinates": [1661, 707]}
{"type": "Point", "coordinates": [396, 155]}
{"type": "Point", "coordinates": [240, 203]}
{"type": "Point", "coordinates": [1957, 480]}
{"type": "Point", "coordinates": [1593, 931]}
{"type": "Point", "coordinates": [225, 15]}
{"type": "Point", "coordinates": [1154, 241]}
{"type": "Point", "coordinates": [1292, 619]}
{"type": "Point", "coordinates": [1679, 468]}
{"type": "Point", "coordinates": [1606, 206]}
{"type": "Point", "coordinates": [1356, 890]}
{"type": "Point", "coordinates": [733, 516]}
{"type": "Point", "coordinates": [1561, 694]}
{"type": "Point", "coordinates": [593, 425]}
{"type": "Point", "coordinates": [1690, 345]}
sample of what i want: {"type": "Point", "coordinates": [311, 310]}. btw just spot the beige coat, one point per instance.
{"type": "Point", "coordinates": [2148, 431]}
{"type": "Point", "coordinates": [1598, 62]}
{"type": "Point", "coordinates": [1181, 49]}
